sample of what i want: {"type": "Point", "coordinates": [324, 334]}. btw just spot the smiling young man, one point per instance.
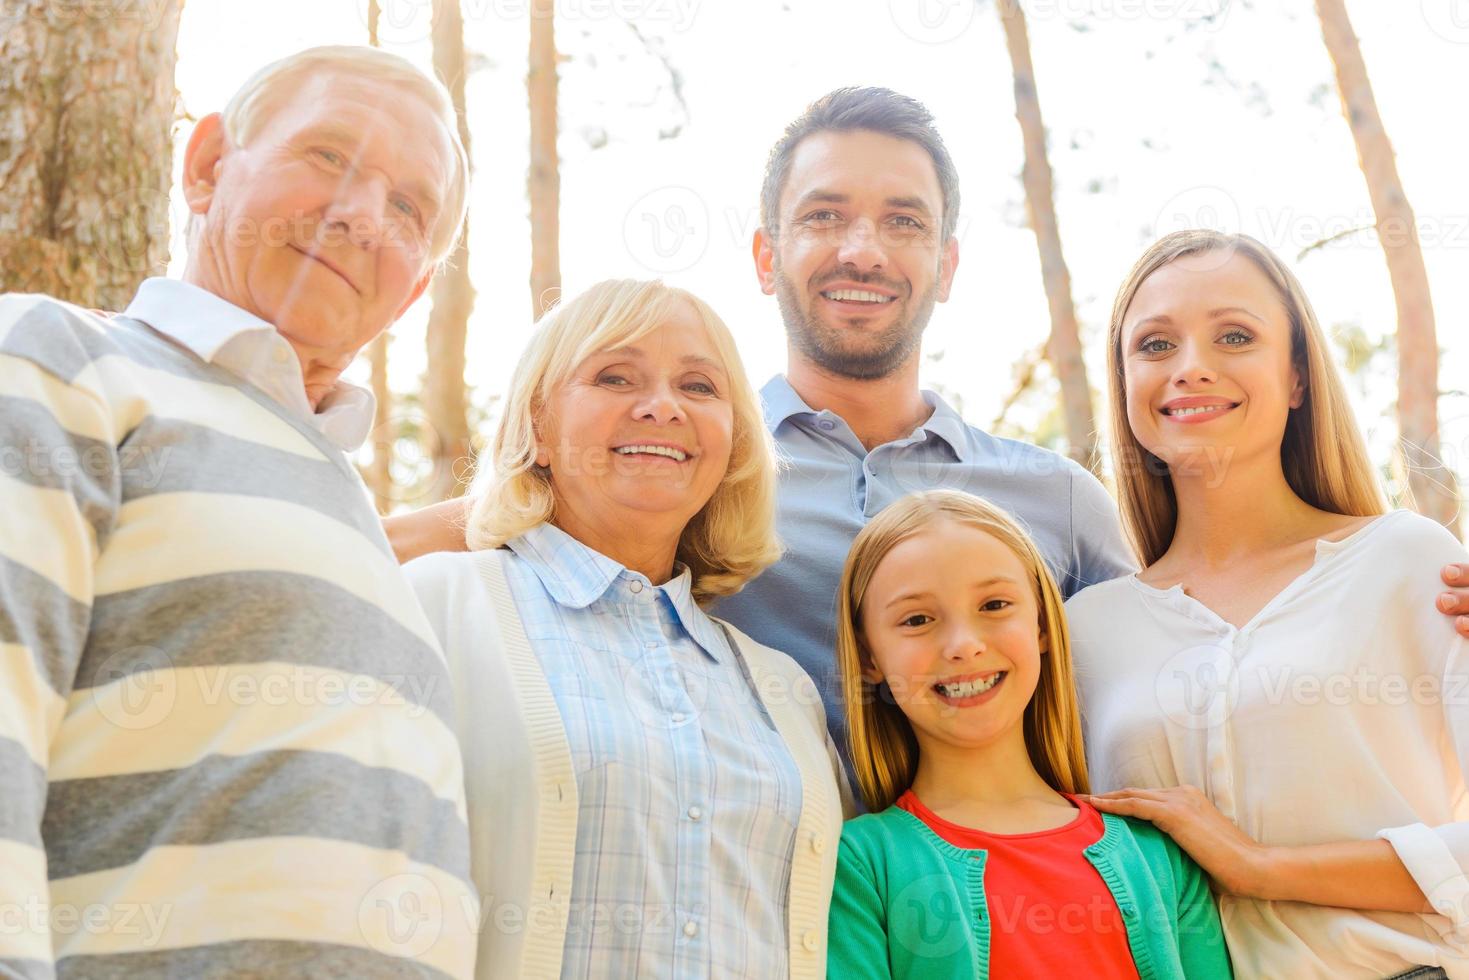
{"type": "Point", "coordinates": [857, 244]}
{"type": "Point", "coordinates": [225, 734]}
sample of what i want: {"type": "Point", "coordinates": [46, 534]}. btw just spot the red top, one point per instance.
{"type": "Point", "coordinates": [1051, 914]}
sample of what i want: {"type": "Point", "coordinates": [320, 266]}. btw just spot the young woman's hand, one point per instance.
{"type": "Point", "coordinates": [1454, 600]}
{"type": "Point", "coordinates": [1228, 855]}
{"type": "Point", "coordinates": [1357, 874]}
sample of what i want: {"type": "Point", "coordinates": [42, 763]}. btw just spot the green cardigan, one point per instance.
{"type": "Point", "coordinates": [910, 904]}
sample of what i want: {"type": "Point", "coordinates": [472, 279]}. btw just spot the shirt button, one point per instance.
{"type": "Point", "coordinates": [827, 424]}
{"type": "Point", "coordinates": [695, 813]}
{"type": "Point", "coordinates": [281, 355]}
{"type": "Point", "coordinates": [691, 928]}
{"type": "Point", "coordinates": [635, 586]}
{"type": "Point", "coordinates": [818, 843]}
{"type": "Point", "coordinates": [810, 940]}
{"type": "Point", "coordinates": [677, 718]}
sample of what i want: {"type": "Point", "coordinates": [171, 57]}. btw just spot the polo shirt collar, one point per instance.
{"type": "Point", "coordinates": [208, 326]}
{"type": "Point", "coordinates": [781, 402]}
{"type": "Point", "coordinates": [948, 425]}
{"type": "Point", "coordinates": [192, 317]}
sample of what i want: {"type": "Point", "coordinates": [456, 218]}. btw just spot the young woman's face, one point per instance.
{"type": "Point", "coordinates": [950, 622]}
{"type": "Point", "coordinates": [1206, 353]}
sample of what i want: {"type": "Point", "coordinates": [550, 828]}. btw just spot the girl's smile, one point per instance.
{"type": "Point", "coordinates": [970, 689]}
{"type": "Point", "coordinates": [951, 623]}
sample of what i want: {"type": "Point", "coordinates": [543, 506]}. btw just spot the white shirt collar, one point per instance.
{"type": "Point", "coordinates": [220, 333]}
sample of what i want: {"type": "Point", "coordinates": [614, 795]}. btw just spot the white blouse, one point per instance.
{"type": "Point", "coordinates": [1339, 712]}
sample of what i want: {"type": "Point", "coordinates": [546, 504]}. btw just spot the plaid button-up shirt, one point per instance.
{"type": "Point", "coordinates": [688, 796]}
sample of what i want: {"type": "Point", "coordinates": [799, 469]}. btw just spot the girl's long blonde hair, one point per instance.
{"type": "Point", "coordinates": [1324, 457]}
{"type": "Point", "coordinates": [732, 538]}
{"type": "Point", "coordinates": [883, 746]}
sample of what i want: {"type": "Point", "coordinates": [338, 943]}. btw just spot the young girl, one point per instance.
{"type": "Point", "coordinates": [1274, 689]}
{"type": "Point", "coordinates": [978, 858]}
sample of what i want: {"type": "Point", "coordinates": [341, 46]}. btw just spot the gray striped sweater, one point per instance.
{"type": "Point", "coordinates": [226, 742]}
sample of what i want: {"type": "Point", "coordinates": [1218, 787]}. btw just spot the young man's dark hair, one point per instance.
{"type": "Point", "coordinates": [877, 110]}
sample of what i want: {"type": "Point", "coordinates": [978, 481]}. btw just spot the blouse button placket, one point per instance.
{"type": "Point", "coordinates": [1219, 747]}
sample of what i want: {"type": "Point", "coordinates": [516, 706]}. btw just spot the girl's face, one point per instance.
{"type": "Point", "coordinates": [950, 622]}
{"type": "Point", "coordinates": [1206, 348]}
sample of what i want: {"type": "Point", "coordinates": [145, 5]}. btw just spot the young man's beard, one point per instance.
{"type": "Point", "coordinates": [827, 348]}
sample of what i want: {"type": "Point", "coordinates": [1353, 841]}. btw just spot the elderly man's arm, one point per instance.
{"type": "Point", "coordinates": [59, 479]}
{"type": "Point", "coordinates": [439, 527]}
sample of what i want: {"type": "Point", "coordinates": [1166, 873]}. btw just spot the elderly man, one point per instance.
{"type": "Point", "coordinates": [225, 744]}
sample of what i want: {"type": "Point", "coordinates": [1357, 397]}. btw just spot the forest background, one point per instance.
{"type": "Point", "coordinates": [618, 138]}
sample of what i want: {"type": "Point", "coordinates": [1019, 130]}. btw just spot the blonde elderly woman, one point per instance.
{"type": "Point", "coordinates": [651, 793]}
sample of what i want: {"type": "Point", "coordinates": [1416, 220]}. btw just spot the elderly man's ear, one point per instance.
{"type": "Point", "coordinates": [202, 160]}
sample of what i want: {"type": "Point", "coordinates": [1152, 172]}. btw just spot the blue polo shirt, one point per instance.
{"type": "Point", "coordinates": [831, 486]}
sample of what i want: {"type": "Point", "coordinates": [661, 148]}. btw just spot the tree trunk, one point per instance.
{"type": "Point", "coordinates": [378, 475]}
{"type": "Point", "coordinates": [444, 397]}
{"type": "Point", "coordinates": [1064, 347]}
{"type": "Point", "coordinates": [544, 180]}
{"type": "Point", "coordinates": [1431, 482]}
{"type": "Point", "coordinates": [87, 106]}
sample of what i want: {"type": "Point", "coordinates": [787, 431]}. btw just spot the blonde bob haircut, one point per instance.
{"type": "Point", "coordinates": [1322, 452]}
{"type": "Point", "coordinates": [732, 538]}
{"type": "Point", "coordinates": [883, 746]}
{"type": "Point", "coordinates": [268, 88]}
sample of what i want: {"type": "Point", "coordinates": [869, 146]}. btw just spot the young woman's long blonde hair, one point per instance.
{"type": "Point", "coordinates": [1323, 454]}
{"type": "Point", "coordinates": [728, 542]}
{"type": "Point", "coordinates": [883, 747]}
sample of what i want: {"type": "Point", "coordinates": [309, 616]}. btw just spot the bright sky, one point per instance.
{"type": "Point", "coordinates": [1162, 114]}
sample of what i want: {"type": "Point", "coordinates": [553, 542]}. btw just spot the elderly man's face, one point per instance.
{"type": "Point", "coordinates": [321, 225]}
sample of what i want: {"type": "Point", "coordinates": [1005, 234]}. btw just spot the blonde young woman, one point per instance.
{"type": "Point", "coordinates": [650, 793]}
{"type": "Point", "coordinates": [978, 858]}
{"type": "Point", "coordinates": [1274, 689]}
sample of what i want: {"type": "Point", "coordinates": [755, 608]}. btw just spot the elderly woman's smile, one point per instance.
{"type": "Point", "coordinates": [638, 438]}
{"type": "Point", "coordinates": [654, 450]}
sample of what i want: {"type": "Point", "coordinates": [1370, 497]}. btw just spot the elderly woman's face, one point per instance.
{"type": "Point", "coordinates": [321, 225]}
{"type": "Point", "coordinates": [641, 432]}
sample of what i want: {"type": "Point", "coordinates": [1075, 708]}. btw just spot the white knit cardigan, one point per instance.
{"type": "Point", "coordinates": [521, 788]}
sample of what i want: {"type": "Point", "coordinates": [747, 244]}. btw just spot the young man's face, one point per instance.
{"type": "Point", "coordinates": [859, 257]}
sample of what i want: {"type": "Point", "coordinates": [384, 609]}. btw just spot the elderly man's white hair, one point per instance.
{"type": "Point", "coordinates": [262, 91]}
